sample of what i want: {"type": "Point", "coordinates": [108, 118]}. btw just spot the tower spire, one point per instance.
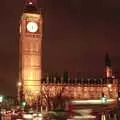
{"type": "Point", "coordinates": [31, 6]}
{"type": "Point", "coordinates": [31, 1]}
{"type": "Point", "coordinates": [107, 60]}
{"type": "Point", "coordinates": [108, 66]}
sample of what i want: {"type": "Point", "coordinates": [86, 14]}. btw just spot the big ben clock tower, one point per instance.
{"type": "Point", "coordinates": [30, 54]}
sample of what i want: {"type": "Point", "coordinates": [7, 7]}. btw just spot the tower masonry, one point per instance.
{"type": "Point", "coordinates": [30, 51]}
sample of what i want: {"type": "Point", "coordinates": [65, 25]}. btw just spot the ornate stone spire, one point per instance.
{"type": "Point", "coordinates": [30, 5]}
{"type": "Point", "coordinates": [107, 60]}
{"type": "Point", "coordinates": [108, 66]}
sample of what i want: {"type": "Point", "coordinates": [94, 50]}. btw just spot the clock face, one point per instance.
{"type": "Point", "coordinates": [32, 27]}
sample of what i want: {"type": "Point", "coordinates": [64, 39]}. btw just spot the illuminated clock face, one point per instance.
{"type": "Point", "coordinates": [32, 27]}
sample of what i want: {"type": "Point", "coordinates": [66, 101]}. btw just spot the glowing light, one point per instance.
{"type": "Point", "coordinates": [84, 117]}
{"type": "Point", "coordinates": [109, 85]}
{"type": "Point", "coordinates": [23, 104]}
{"type": "Point", "coordinates": [37, 117]}
{"type": "Point", "coordinates": [19, 83]}
{"type": "Point", "coordinates": [32, 27]}
{"type": "Point", "coordinates": [30, 3]}
{"type": "Point", "coordinates": [103, 117]}
{"type": "Point", "coordinates": [1, 98]}
{"type": "Point", "coordinates": [113, 76]}
{"type": "Point", "coordinates": [104, 100]}
{"type": "Point", "coordinates": [92, 101]}
{"type": "Point", "coordinates": [27, 116]}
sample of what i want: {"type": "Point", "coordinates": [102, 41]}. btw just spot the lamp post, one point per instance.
{"type": "Point", "coordinates": [19, 84]}
{"type": "Point", "coordinates": [19, 87]}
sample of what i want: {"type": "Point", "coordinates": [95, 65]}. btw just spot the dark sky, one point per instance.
{"type": "Point", "coordinates": [77, 33]}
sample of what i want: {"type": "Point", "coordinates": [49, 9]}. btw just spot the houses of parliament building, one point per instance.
{"type": "Point", "coordinates": [31, 82]}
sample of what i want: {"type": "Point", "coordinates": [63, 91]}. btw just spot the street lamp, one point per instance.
{"type": "Point", "coordinates": [109, 86]}
{"type": "Point", "coordinates": [19, 84]}
{"type": "Point", "coordinates": [23, 104]}
{"type": "Point", "coordinates": [19, 87]}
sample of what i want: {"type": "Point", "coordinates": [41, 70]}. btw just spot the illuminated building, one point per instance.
{"type": "Point", "coordinates": [82, 89]}
{"type": "Point", "coordinates": [30, 42]}
{"type": "Point", "coordinates": [31, 84]}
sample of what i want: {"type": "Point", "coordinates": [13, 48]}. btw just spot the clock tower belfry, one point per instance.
{"type": "Point", "coordinates": [30, 52]}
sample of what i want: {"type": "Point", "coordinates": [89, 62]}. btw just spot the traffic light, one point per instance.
{"type": "Point", "coordinates": [23, 104]}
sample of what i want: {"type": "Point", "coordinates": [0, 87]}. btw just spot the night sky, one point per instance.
{"type": "Point", "coordinates": [77, 34]}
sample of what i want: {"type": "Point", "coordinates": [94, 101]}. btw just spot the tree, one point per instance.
{"type": "Point", "coordinates": [53, 97]}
